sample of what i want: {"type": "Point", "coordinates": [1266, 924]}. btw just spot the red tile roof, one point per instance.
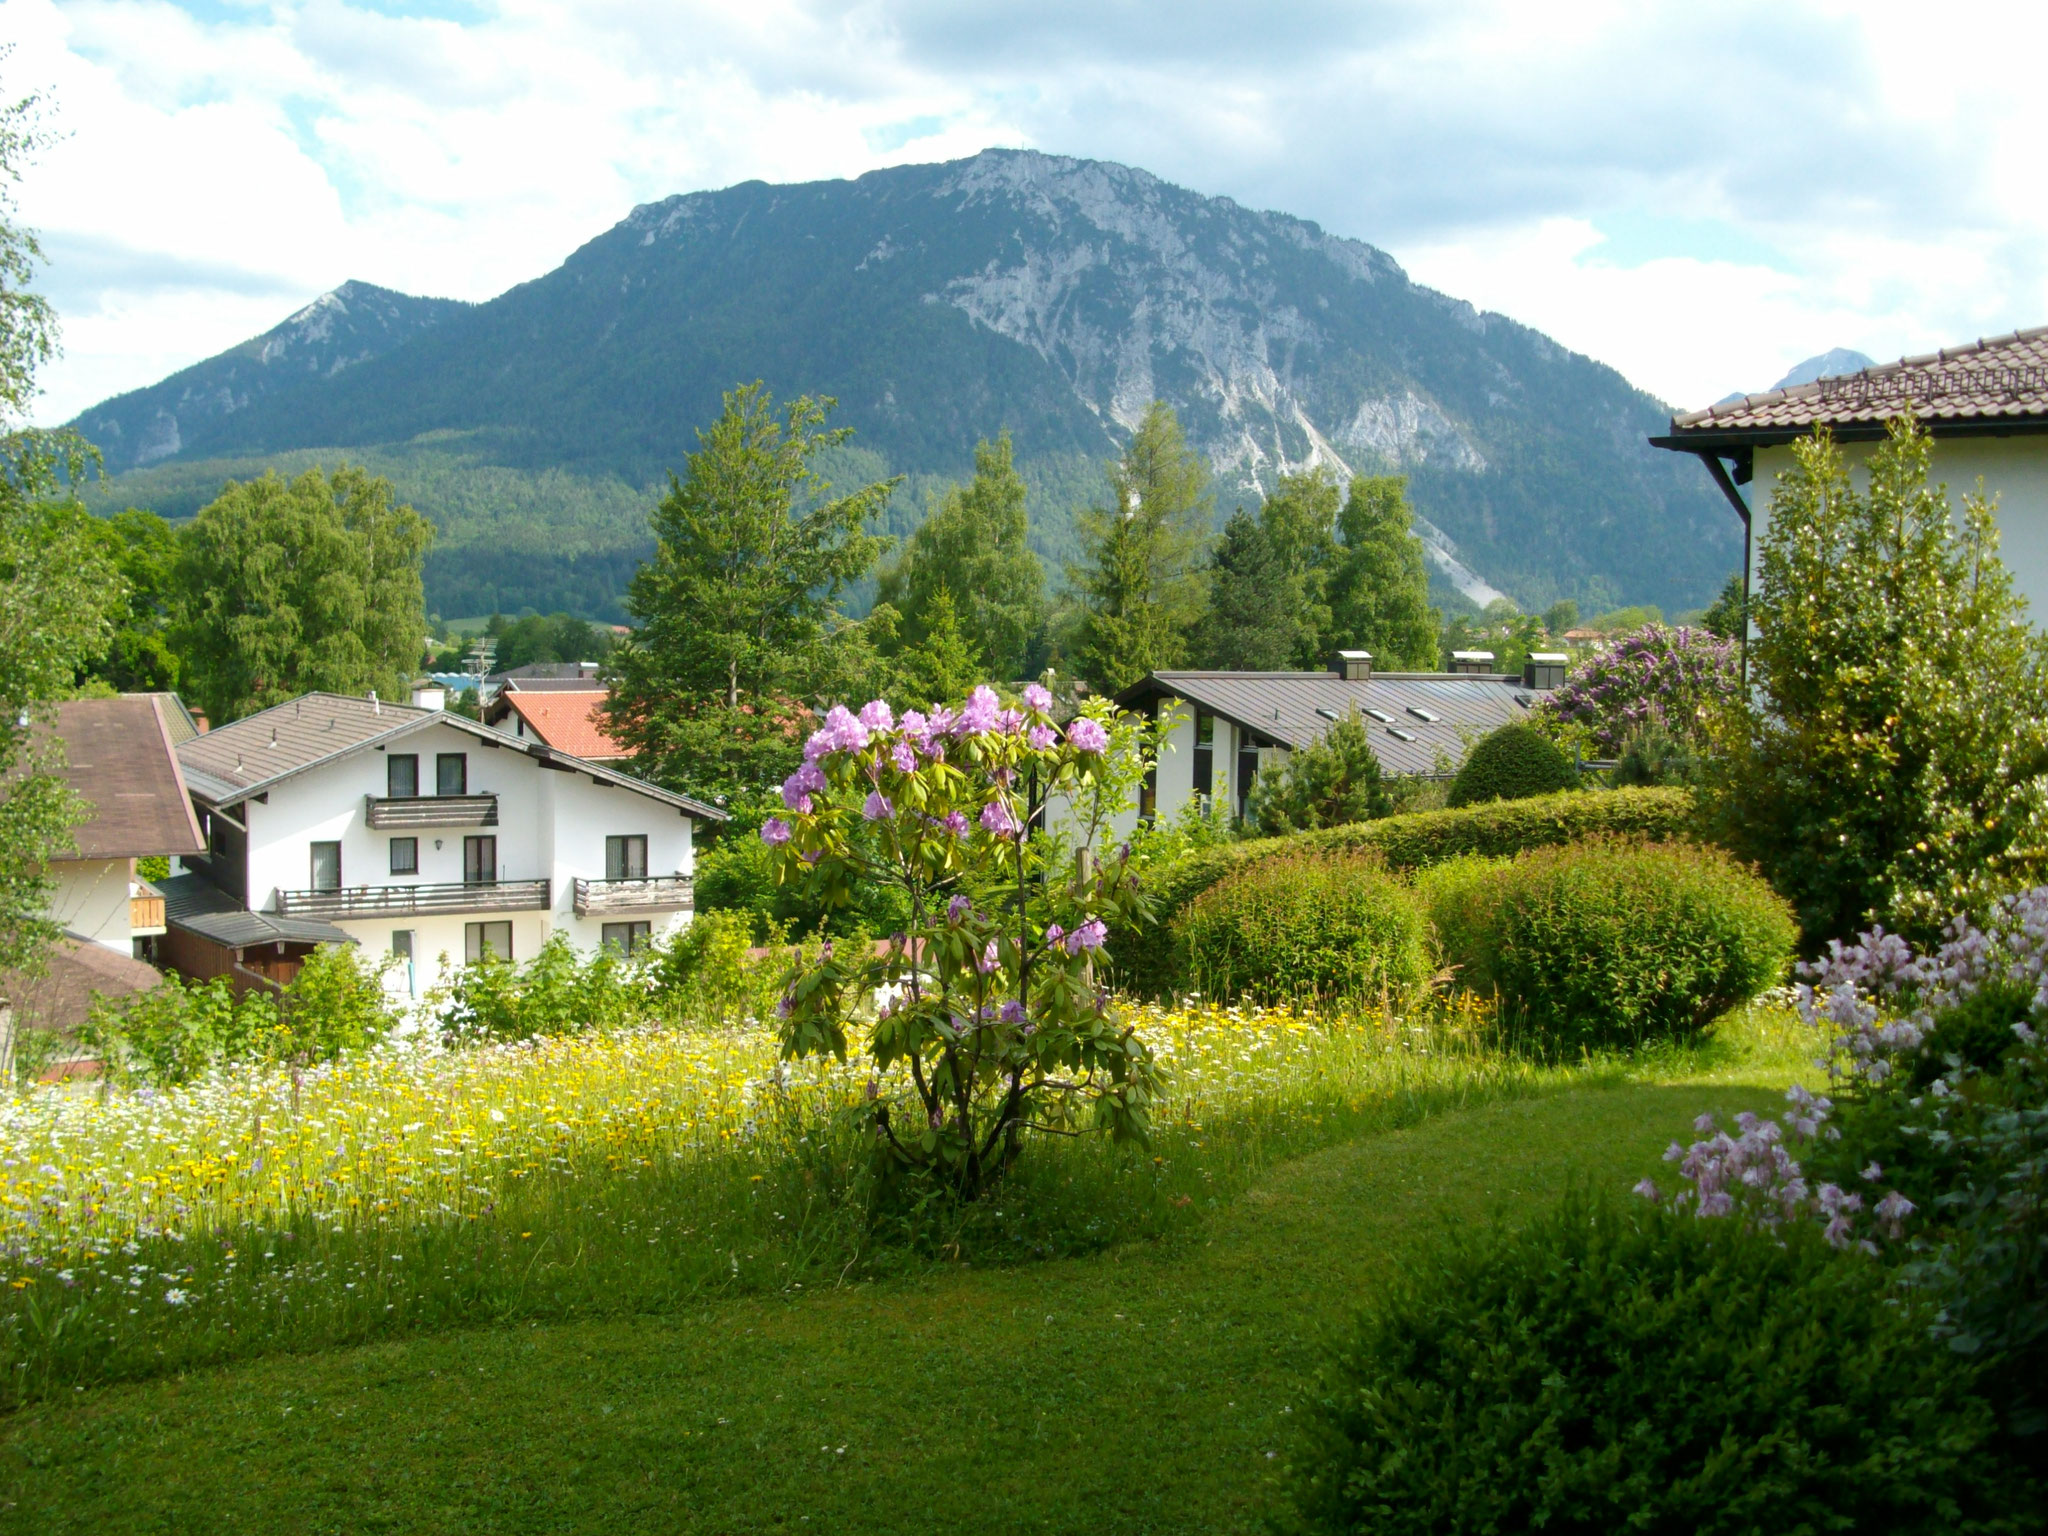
{"type": "Point", "coordinates": [567, 721]}
{"type": "Point", "coordinates": [2000, 381]}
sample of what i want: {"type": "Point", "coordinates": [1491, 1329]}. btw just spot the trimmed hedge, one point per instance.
{"type": "Point", "coordinates": [1515, 762]}
{"type": "Point", "coordinates": [1148, 963]}
{"type": "Point", "coordinates": [1632, 1369]}
{"type": "Point", "coordinates": [1306, 926]}
{"type": "Point", "coordinates": [1610, 943]}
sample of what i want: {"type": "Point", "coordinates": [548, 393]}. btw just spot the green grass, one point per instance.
{"type": "Point", "coordinates": [1147, 1388]}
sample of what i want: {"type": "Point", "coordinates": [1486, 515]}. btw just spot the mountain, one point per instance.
{"type": "Point", "coordinates": [1048, 296]}
{"type": "Point", "coordinates": [1829, 364]}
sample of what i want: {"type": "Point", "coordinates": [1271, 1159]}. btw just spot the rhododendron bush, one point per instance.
{"type": "Point", "coordinates": [991, 995]}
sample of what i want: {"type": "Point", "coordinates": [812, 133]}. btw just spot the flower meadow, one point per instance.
{"type": "Point", "coordinates": [414, 1187]}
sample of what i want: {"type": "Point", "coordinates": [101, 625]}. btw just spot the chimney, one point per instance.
{"type": "Point", "coordinates": [1353, 666]}
{"type": "Point", "coordinates": [428, 694]}
{"type": "Point", "coordinates": [1545, 670]}
{"type": "Point", "coordinates": [1472, 663]}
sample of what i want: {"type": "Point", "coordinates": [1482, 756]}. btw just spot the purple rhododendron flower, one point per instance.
{"type": "Point", "coordinates": [943, 722]}
{"type": "Point", "coordinates": [904, 756]}
{"type": "Point", "coordinates": [774, 831]}
{"type": "Point", "coordinates": [877, 716]}
{"type": "Point", "coordinates": [957, 908]}
{"type": "Point", "coordinates": [1088, 936]}
{"type": "Point", "coordinates": [1040, 738]}
{"type": "Point", "coordinates": [877, 806]}
{"type": "Point", "coordinates": [1086, 735]}
{"type": "Point", "coordinates": [1053, 934]}
{"type": "Point", "coordinates": [989, 959]}
{"type": "Point", "coordinates": [979, 713]}
{"type": "Point", "coordinates": [999, 819]}
{"type": "Point", "coordinates": [956, 823]}
{"type": "Point", "coordinates": [1013, 1012]}
{"type": "Point", "coordinates": [1037, 697]}
{"type": "Point", "coordinates": [848, 734]}
{"type": "Point", "coordinates": [1010, 721]}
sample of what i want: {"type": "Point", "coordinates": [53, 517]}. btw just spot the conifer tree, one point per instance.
{"type": "Point", "coordinates": [942, 665]}
{"type": "Point", "coordinates": [1251, 622]}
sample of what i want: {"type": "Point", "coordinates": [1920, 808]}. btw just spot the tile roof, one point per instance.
{"type": "Point", "coordinates": [1989, 383]}
{"type": "Point", "coordinates": [566, 720]}
{"type": "Point", "coordinates": [74, 973]}
{"type": "Point", "coordinates": [118, 755]}
{"type": "Point", "coordinates": [1286, 708]}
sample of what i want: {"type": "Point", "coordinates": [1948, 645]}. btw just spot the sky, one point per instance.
{"type": "Point", "coordinates": [1699, 195]}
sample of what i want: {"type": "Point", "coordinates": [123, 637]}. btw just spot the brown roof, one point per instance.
{"type": "Point", "coordinates": [570, 721]}
{"type": "Point", "coordinates": [118, 755]}
{"type": "Point", "coordinates": [61, 997]}
{"type": "Point", "coordinates": [1988, 386]}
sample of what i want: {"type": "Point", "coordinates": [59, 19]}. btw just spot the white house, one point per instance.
{"type": "Point", "coordinates": [420, 834]}
{"type": "Point", "coordinates": [1984, 404]}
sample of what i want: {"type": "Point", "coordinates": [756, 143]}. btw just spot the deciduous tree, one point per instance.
{"type": "Point", "coordinates": [1379, 591]}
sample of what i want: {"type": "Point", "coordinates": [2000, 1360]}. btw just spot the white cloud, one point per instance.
{"type": "Point", "coordinates": [1788, 176]}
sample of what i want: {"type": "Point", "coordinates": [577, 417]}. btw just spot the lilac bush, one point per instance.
{"type": "Point", "coordinates": [1673, 678]}
{"type": "Point", "coordinates": [990, 999]}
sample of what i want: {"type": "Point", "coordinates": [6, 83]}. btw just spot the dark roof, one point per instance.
{"type": "Point", "coordinates": [1993, 386]}
{"type": "Point", "coordinates": [577, 673]}
{"type": "Point", "coordinates": [246, 758]}
{"type": "Point", "coordinates": [118, 755]}
{"type": "Point", "coordinates": [61, 997]}
{"type": "Point", "coordinates": [1293, 709]}
{"type": "Point", "coordinates": [197, 905]}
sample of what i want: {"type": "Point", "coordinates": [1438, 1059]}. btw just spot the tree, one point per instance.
{"type": "Point", "coordinates": [1724, 617]}
{"type": "Point", "coordinates": [1251, 623]}
{"type": "Point", "coordinates": [1559, 617]}
{"type": "Point", "coordinates": [971, 547]}
{"type": "Point", "coordinates": [1379, 591]}
{"type": "Point", "coordinates": [1327, 783]}
{"type": "Point", "coordinates": [288, 586]}
{"type": "Point", "coordinates": [1890, 763]}
{"type": "Point", "coordinates": [557, 637]}
{"type": "Point", "coordinates": [943, 664]}
{"type": "Point", "coordinates": [1675, 681]}
{"type": "Point", "coordinates": [1142, 582]}
{"type": "Point", "coordinates": [143, 550]}
{"type": "Point", "coordinates": [1300, 521]}
{"type": "Point", "coordinates": [735, 608]}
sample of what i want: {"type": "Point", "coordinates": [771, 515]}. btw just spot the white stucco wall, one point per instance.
{"type": "Point", "coordinates": [2014, 469]}
{"type": "Point", "coordinates": [89, 900]}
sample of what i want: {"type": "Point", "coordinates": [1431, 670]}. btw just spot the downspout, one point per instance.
{"type": "Point", "coordinates": [1721, 478]}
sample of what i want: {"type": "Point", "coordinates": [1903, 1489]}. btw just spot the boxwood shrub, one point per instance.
{"type": "Point", "coordinates": [1306, 926]}
{"type": "Point", "coordinates": [1512, 763]}
{"type": "Point", "coordinates": [1618, 1368]}
{"type": "Point", "coordinates": [1148, 963]}
{"type": "Point", "coordinates": [1608, 942]}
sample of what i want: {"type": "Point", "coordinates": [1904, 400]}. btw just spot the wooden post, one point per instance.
{"type": "Point", "coordinates": [6, 1046]}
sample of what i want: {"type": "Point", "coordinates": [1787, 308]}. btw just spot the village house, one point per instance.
{"type": "Point", "coordinates": [1984, 404]}
{"type": "Point", "coordinates": [418, 834]}
{"type": "Point", "coordinates": [570, 719]}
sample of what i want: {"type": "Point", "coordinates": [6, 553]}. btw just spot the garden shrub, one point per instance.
{"type": "Point", "coordinates": [1515, 762]}
{"type": "Point", "coordinates": [1148, 962]}
{"type": "Point", "coordinates": [1607, 1369]}
{"type": "Point", "coordinates": [557, 992]}
{"type": "Point", "coordinates": [708, 973]}
{"type": "Point", "coordinates": [1304, 926]}
{"type": "Point", "coordinates": [1610, 943]}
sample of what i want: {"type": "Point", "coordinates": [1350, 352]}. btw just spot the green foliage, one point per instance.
{"type": "Point", "coordinates": [1300, 522]}
{"type": "Point", "coordinates": [1251, 622]}
{"type": "Point", "coordinates": [941, 663]}
{"type": "Point", "coordinates": [557, 637]}
{"type": "Point", "coordinates": [1724, 615]}
{"type": "Point", "coordinates": [285, 587]}
{"type": "Point", "coordinates": [557, 992]}
{"type": "Point", "coordinates": [1512, 763]}
{"type": "Point", "coordinates": [1379, 588]}
{"type": "Point", "coordinates": [1141, 581]}
{"type": "Point", "coordinates": [144, 552]}
{"type": "Point", "coordinates": [1653, 755]}
{"type": "Point", "coordinates": [1306, 927]}
{"type": "Point", "coordinates": [1621, 620]}
{"type": "Point", "coordinates": [708, 973]}
{"type": "Point", "coordinates": [735, 608]}
{"type": "Point", "coordinates": [28, 325]}
{"type": "Point", "coordinates": [971, 549]}
{"type": "Point", "coordinates": [737, 876]}
{"type": "Point", "coordinates": [1607, 1370]}
{"type": "Point", "coordinates": [1606, 943]}
{"type": "Point", "coordinates": [1890, 764]}
{"type": "Point", "coordinates": [1149, 964]}
{"type": "Point", "coordinates": [1328, 783]}
{"type": "Point", "coordinates": [1560, 617]}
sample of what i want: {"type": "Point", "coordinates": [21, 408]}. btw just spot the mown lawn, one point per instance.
{"type": "Point", "coordinates": [1148, 1389]}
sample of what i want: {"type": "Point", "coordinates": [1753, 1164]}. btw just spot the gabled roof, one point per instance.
{"type": "Point", "coordinates": [1990, 387]}
{"type": "Point", "coordinates": [565, 719]}
{"type": "Point", "coordinates": [118, 755]}
{"type": "Point", "coordinates": [1433, 712]}
{"type": "Point", "coordinates": [249, 757]}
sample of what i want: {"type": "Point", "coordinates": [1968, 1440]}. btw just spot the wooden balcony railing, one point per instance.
{"type": "Point", "coordinates": [409, 811]}
{"type": "Point", "coordinates": [406, 900]}
{"type": "Point", "coordinates": [145, 914]}
{"type": "Point", "coordinates": [651, 893]}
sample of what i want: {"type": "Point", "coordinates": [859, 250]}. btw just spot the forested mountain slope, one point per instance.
{"type": "Point", "coordinates": [941, 303]}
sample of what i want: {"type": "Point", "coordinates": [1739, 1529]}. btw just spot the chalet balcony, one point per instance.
{"type": "Point", "coordinates": [651, 893]}
{"type": "Point", "coordinates": [410, 900]}
{"type": "Point", "coordinates": [402, 813]}
{"type": "Point", "coordinates": [145, 909]}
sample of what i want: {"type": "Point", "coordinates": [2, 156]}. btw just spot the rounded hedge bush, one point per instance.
{"type": "Point", "coordinates": [1607, 943]}
{"type": "Point", "coordinates": [1512, 763]}
{"type": "Point", "coordinates": [1306, 927]}
{"type": "Point", "coordinates": [1609, 1369]}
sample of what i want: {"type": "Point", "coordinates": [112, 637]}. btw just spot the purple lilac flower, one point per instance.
{"type": "Point", "coordinates": [979, 713]}
{"type": "Point", "coordinates": [999, 819]}
{"type": "Point", "coordinates": [904, 756]}
{"type": "Point", "coordinates": [1037, 698]}
{"type": "Point", "coordinates": [1086, 735]}
{"type": "Point", "coordinates": [877, 716]}
{"type": "Point", "coordinates": [877, 807]}
{"type": "Point", "coordinates": [1040, 738]}
{"type": "Point", "coordinates": [774, 831]}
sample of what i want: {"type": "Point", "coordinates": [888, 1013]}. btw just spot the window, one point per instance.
{"type": "Point", "coordinates": [1205, 752]}
{"type": "Point", "coordinates": [628, 938]}
{"type": "Point", "coordinates": [401, 944]}
{"type": "Point", "coordinates": [451, 773]}
{"type": "Point", "coordinates": [480, 939]}
{"type": "Point", "coordinates": [479, 860]}
{"type": "Point", "coordinates": [402, 775]}
{"type": "Point", "coordinates": [405, 855]}
{"type": "Point", "coordinates": [327, 866]}
{"type": "Point", "coordinates": [1247, 773]}
{"type": "Point", "coordinates": [625, 858]}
